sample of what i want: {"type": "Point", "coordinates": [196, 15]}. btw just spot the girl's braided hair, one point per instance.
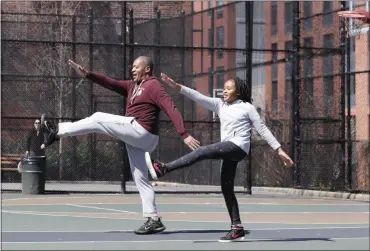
{"type": "Point", "coordinates": [242, 89]}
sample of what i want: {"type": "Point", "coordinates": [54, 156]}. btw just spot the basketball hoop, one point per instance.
{"type": "Point", "coordinates": [354, 21]}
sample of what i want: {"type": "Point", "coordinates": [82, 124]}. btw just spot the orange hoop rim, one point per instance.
{"type": "Point", "coordinates": [359, 15]}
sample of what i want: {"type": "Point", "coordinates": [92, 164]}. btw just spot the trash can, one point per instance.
{"type": "Point", "coordinates": [33, 174]}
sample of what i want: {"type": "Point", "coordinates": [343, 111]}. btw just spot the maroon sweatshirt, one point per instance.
{"type": "Point", "coordinates": [151, 98]}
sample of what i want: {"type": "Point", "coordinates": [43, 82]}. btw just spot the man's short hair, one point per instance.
{"type": "Point", "coordinates": [148, 62]}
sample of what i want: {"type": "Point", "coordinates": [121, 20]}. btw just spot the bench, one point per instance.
{"type": "Point", "coordinates": [10, 159]}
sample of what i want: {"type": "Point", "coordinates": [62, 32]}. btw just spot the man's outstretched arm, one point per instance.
{"type": "Point", "coordinates": [118, 86]}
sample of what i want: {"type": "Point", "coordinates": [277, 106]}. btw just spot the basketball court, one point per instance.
{"type": "Point", "coordinates": [106, 222]}
{"type": "Point", "coordinates": [96, 222]}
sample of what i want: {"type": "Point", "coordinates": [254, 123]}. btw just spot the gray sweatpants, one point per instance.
{"type": "Point", "coordinates": [137, 139]}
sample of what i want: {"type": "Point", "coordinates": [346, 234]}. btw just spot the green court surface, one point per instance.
{"type": "Point", "coordinates": [106, 222]}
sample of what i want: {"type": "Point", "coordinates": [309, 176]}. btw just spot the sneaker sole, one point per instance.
{"type": "Point", "coordinates": [156, 231]}
{"type": "Point", "coordinates": [234, 240]}
{"type": "Point", "coordinates": [150, 166]}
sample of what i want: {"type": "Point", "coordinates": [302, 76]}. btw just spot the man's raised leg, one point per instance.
{"type": "Point", "coordinates": [119, 127]}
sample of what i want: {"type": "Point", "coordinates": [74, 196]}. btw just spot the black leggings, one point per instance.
{"type": "Point", "coordinates": [230, 154]}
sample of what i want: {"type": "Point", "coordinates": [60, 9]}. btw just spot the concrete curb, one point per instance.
{"type": "Point", "coordinates": [292, 191]}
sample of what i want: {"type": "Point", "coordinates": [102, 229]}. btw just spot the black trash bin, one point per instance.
{"type": "Point", "coordinates": [33, 174]}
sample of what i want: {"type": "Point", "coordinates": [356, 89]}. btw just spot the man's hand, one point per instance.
{"type": "Point", "coordinates": [192, 143]}
{"type": "Point", "coordinates": [78, 68]}
{"type": "Point", "coordinates": [288, 162]}
{"type": "Point", "coordinates": [42, 146]}
{"type": "Point", "coordinates": [169, 81]}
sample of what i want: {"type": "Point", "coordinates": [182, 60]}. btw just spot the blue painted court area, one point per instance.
{"type": "Point", "coordinates": [106, 222]}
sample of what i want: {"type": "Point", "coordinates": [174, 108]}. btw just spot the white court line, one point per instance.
{"type": "Point", "coordinates": [344, 202]}
{"type": "Point", "coordinates": [101, 208]}
{"type": "Point", "coordinates": [209, 240]}
{"type": "Point", "coordinates": [198, 229]}
{"type": "Point", "coordinates": [125, 218]}
{"type": "Point", "coordinates": [196, 212]}
{"type": "Point", "coordinates": [189, 203]}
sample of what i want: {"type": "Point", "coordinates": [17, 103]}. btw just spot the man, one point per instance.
{"type": "Point", "coordinates": [35, 141]}
{"type": "Point", "coordinates": [138, 128]}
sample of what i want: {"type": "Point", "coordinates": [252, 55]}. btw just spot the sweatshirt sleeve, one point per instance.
{"type": "Point", "coordinates": [164, 101]}
{"type": "Point", "coordinates": [212, 104]}
{"type": "Point", "coordinates": [261, 128]}
{"type": "Point", "coordinates": [118, 86]}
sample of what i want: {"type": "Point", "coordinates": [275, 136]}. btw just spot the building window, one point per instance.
{"type": "Point", "coordinates": [274, 7]}
{"type": "Point", "coordinates": [328, 70]}
{"type": "Point", "coordinates": [353, 90]}
{"type": "Point", "coordinates": [353, 69]}
{"type": "Point", "coordinates": [220, 77]}
{"type": "Point", "coordinates": [328, 18]}
{"type": "Point", "coordinates": [220, 10]}
{"type": "Point", "coordinates": [211, 85]}
{"type": "Point", "coordinates": [210, 6]}
{"type": "Point", "coordinates": [288, 75]}
{"type": "Point", "coordinates": [274, 96]}
{"type": "Point", "coordinates": [288, 94]}
{"type": "Point", "coordinates": [288, 17]}
{"type": "Point", "coordinates": [308, 96]}
{"type": "Point", "coordinates": [307, 12]}
{"type": "Point", "coordinates": [307, 53]}
{"type": "Point", "coordinates": [328, 60]}
{"type": "Point", "coordinates": [210, 41]}
{"type": "Point", "coordinates": [354, 143]}
{"type": "Point", "coordinates": [220, 41]}
{"type": "Point", "coordinates": [274, 77]}
{"type": "Point", "coordinates": [274, 58]}
{"type": "Point", "coordinates": [288, 58]}
{"type": "Point", "coordinates": [329, 94]}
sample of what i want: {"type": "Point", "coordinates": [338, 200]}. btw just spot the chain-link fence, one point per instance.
{"type": "Point", "coordinates": [192, 49]}
{"type": "Point", "coordinates": [321, 103]}
{"type": "Point", "coordinates": [37, 79]}
{"type": "Point", "coordinates": [327, 101]}
{"type": "Point", "coordinates": [298, 86]}
{"type": "Point", "coordinates": [358, 103]}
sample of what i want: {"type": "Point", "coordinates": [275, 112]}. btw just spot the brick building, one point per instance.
{"type": "Point", "coordinates": [321, 95]}
{"type": "Point", "coordinates": [272, 84]}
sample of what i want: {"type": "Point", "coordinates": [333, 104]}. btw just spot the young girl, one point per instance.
{"type": "Point", "coordinates": [237, 115]}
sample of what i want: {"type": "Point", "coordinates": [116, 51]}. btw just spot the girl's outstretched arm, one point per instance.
{"type": "Point", "coordinates": [212, 104]}
{"type": "Point", "coordinates": [267, 135]}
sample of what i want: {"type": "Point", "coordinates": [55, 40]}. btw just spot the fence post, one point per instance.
{"type": "Point", "coordinates": [131, 38]}
{"type": "Point", "coordinates": [212, 61]}
{"type": "Point", "coordinates": [343, 101]}
{"type": "Point", "coordinates": [182, 75]}
{"type": "Point", "coordinates": [349, 126]}
{"type": "Point", "coordinates": [248, 62]}
{"type": "Point", "coordinates": [182, 56]}
{"type": "Point", "coordinates": [211, 80]}
{"type": "Point", "coordinates": [125, 162]}
{"type": "Point", "coordinates": [157, 42]}
{"type": "Point", "coordinates": [296, 82]}
{"type": "Point", "coordinates": [91, 92]}
{"type": "Point", "coordinates": [74, 75]}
